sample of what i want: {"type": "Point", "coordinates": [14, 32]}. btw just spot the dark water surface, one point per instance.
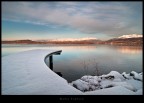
{"type": "Point", "coordinates": [78, 60]}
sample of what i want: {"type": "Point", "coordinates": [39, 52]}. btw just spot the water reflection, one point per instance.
{"type": "Point", "coordinates": [14, 48]}
{"type": "Point", "coordinates": [130, 49]}
{"type": "Point", "coordinates": [108, 58]}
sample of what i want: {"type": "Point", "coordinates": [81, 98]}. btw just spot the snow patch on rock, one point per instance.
{"type": "Point", "coordinates": [131, 81]}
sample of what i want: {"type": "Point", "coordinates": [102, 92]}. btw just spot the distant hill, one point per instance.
{"type": "Point", "coordinates": [19, 42]}
{"type": "Point", "coordinates": [132, 39]}
{"type": "Point", "coordinates": [125, 41]}
{"type": "Point", "coordinates": [60, 41]}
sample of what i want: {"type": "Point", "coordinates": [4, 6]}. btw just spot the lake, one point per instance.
{"type": "Point", "coordinates": [78, 60]}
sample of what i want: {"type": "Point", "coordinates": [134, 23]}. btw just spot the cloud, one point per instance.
{"type": "Point", "coordinates": [88, 17]}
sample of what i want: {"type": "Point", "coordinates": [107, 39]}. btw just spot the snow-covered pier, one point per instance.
{"type": "Point", "coordinates": [26, 73]}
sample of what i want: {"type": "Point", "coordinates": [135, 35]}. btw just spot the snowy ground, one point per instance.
{"type": "Point", "coordinates": [111, 83]}
{"type": "Point", "coordinates": [26, 73]}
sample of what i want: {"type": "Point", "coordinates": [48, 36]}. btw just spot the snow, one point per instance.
{"type": "Point", "coordinates": [126, 76]}
{"type": "Point", "coordinates": [117, 90]}
{"type": "Point", "coordinates": [115, 74]}
{"type": "Point", "coordinates": [131, 36]}
{"type": "Point", "coordinates": [135, 83]}
{"type": "Point", "coordinates": [111, 80]}
{"type": "Point", "coordinates": [82, 85]}
{"type": "Point", "coordinates": [136, 75]}
{"type": "Point", "coordinates": [139, 92]}
{"type": "Point", "coordinates": [25, 73]}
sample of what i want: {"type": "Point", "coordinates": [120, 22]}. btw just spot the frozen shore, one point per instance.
{"type": "Point", "coordinates": [25, 73]}
{"type": "Point", "coordinates": [114, 80]}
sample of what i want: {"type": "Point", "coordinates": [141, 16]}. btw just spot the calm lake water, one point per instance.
{"type": "Point", "coordinates": [78, 60]}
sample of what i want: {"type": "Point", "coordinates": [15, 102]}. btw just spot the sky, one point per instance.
{"type": "Point", "coordinates": [54, 20]}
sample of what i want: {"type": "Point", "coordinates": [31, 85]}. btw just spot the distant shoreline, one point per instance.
{"type": "Point", "coordinates": [115, 41]}
{"type": "Point", "coordinates": [75, 44]}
